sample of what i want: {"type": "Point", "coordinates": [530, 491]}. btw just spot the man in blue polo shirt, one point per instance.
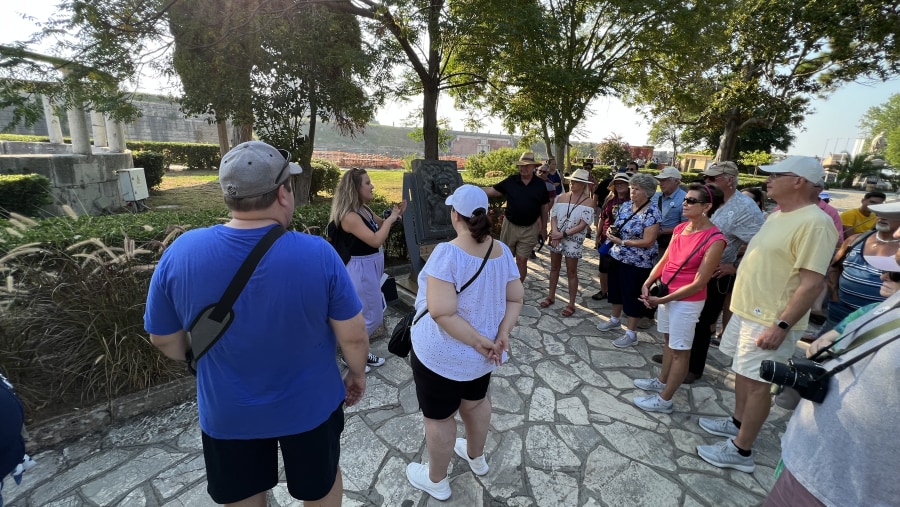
{"type": "Point", "coordinates": [669, 200]}
{"type": "Point", "coordinates": [527, 210]}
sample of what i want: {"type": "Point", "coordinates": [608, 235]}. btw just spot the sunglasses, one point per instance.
{"type": "Point", "coordinates": [691, 200]}
{"type": "Point", "coordinates": [894, 276]}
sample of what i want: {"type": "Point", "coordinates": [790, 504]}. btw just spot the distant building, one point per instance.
{"type": "Point", "coordinates": [468, 144]}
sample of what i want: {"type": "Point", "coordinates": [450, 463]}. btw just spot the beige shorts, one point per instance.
{"type": "Point", "coordinates": [520, 239]}
{"type": "Point", "coordinates": [739, 342]}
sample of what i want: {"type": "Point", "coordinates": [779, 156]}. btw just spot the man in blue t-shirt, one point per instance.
{"type": "Point", "coordinates": [271, 381]}
{"type": "Point", "coordinates": [669, 200]}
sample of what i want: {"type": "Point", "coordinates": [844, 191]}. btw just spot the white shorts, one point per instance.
{"type": "Point", "coordinates": [678, 319]}
{"type": "Point", "coordinates": [739, 341]}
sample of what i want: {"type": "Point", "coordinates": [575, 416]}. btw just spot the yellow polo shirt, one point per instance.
{"type": "Point", "coordinates": [860, 223]}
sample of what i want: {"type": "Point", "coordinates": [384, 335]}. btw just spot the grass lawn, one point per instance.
{"type": "Point", "coordinates": [200, 189]}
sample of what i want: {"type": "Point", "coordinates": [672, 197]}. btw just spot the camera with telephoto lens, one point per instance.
{"type": "Point", "coordinates": [803, 375]}
{"type": "Point", "coordinates": [613, 231]}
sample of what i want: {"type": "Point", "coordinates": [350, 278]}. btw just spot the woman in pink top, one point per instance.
{"type": "Point", "coordinates": [686, 268]}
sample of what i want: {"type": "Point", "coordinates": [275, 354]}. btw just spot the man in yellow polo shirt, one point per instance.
{"type": "Point", "coordinates": [861, 219]}
{"type": "Point", "coordinates": [782, 272]}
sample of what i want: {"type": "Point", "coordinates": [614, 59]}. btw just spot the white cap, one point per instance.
{"type": "Point", "coordinates": [883, 262]}
{"type": "Point", "coordinates": [805, 167]}
{"type": "Point", "coordinates": [889, 210]}
{"type": "Point", "coordinates": [466, 199]}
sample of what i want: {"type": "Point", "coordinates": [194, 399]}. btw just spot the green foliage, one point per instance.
{"type": "Point", "coordinates": [23, 193]}
{"type": "Point", "coordinates": [754, 158]}
{"type": "Point", "coordinates": [613, 149]}
{"type": "Point", "coordinates": [325, 177]}
{"type": "Point", "coordinates": [71, 329]}
{"type": "Point", "coordinates": [444, 135]}
{"type": "Point", "coordinates": [190, 155]}
{"type": "Point", "coordinates": [892, 153]}
{"type": "Point", "coordinates": [501, 160]}
{"type": "Point", "coordinates": [154, 165]}
{"type": "Point", "coordinates": [884, 119]}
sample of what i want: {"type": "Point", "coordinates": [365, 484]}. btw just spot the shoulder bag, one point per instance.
{"type": "Point", "coordinates": [401, 337]}
{"type": "Point", "coordinates": [215, 319]}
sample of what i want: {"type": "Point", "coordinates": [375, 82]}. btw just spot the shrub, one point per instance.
{"type": "Point", "coordinates": [23, 193]}
{"type": "Point", "coordinates": [154, 165]}
{"type": "Point", "coordinates": [71, 328]}
{"type": "Point", "coordinates": [325, 177]}
{"type": "Point", "coordinates": [502, 160]}
{"type": "Point", "coordinates": [191, 155]}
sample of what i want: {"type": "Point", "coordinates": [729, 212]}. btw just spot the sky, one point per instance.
{"type": "Point", "coordinates": [832, 128]}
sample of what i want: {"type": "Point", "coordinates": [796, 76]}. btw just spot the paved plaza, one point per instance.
{"type": "Point", "coordinates": [564, 431]}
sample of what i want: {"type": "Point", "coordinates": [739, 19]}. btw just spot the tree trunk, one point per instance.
{"type": "Point", "coordinates": [222, 131]}
{"type": "Point", "coordinates": [562, 159]}
{"type": "Point", "coordinates": [429, 120]}
{"type": "Point", "coordinates": [303, 182]}
{"type": "Point", "coordinates": [728, 141]}
{"type": "Point", "coordinates": [241, 133]}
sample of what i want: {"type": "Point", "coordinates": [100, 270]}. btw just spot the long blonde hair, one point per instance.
{"type": "Point", "coordinates": [346, 195]}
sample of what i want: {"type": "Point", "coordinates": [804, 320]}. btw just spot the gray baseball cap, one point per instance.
{"type": "Point", "coordinates": [254, 168]}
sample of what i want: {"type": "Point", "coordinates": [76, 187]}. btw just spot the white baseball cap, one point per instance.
{"type": "Point", "coordinates": [466, 199]}
{"type": "Point", "coordinates": [805, 167]}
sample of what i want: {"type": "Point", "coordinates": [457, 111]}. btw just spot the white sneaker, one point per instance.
{"type": "Point", "coordinates": [478, 465]}
{"type": "Point", "coordinates": [649, 384]}
{"type": "Point", "coordinates": [721, 426]}
{"type": "Point", "coordinates": [627, 340]}
{"type": "Point", "coordinates": [653, 403]}
{"type": "Point", "coordinates": [609, 325]}
{"type": "Point", "coordinates": [417, 473]}
{"type": "Point", "coordinates": [725, 455]}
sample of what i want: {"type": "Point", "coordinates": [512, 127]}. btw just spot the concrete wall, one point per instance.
{"type": "Point", "coordinates": [87, 183]}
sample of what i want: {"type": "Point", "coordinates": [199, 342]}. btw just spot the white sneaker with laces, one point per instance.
{"type": "Point", "coordinates": [609, 325]}
{"type": "Point", "coordinates": [650, 384]}
{"type": "Point", "coordinates": [725, 455]}
{"type": "Point", "coordinates": [478, 465]}
{"type": "Point", "coordinates": [654, 403]}
{"type": "Point", "coordinates": [627, 340]}
{"type": "Point", "coordinates": [417, 473]}
{"type": "Point", "coordinates": [721, 426]}
{"type": "Point", "coordinates": [374, 361]}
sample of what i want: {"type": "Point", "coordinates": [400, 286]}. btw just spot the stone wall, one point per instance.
{"type": "Point", "coordinates": [87, 183]}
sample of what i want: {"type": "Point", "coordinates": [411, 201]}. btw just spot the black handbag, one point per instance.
{"type": "Point", "coordinates": [401, 337]}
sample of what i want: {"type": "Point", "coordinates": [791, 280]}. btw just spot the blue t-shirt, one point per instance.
{"type": "Point", "coordinates": [671, 209]}
{"type": "Point", "coordinates": [273, 373]}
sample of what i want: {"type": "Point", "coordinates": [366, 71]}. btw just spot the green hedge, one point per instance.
{"type": "Point", "coordinates": [23, 193]}
{"type": "Point", "coordinates": [154, 165]}
{"type": "Point", "coordinates": [325, 177]}
{"type": "Point", "coordinates": [191, 155]}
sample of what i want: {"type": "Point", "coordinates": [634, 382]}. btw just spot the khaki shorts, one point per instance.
{"type": "Point", "coordinates": [520, 239]}
{"type": "Point", "coordinates": [739, 341]}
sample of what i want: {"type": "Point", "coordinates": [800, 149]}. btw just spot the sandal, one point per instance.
{"type": "Point", "coordinates": [568, 311]}
{"type": "Point", "coordinates": [547, 302]}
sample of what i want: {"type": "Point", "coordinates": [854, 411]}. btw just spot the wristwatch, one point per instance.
{"type": "Point", "coordinates": [782, 324]}
{"type": "Point", "coordinates": [565, 234]}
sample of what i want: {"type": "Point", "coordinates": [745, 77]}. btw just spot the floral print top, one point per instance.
{"type": "Point", "coordinates": [634, 229]}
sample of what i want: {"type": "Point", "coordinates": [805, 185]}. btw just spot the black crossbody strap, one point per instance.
{"type": "Point", "coordinates": [483, 262]}
{"type": "Point", "coordinates": [245, 272]}
{"type": "Point", "coordinates": [697, 249]}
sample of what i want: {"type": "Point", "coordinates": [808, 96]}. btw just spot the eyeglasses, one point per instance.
{"type": "Point", "coordinates": [692, 200]}
{"type": "Point", "coordinates": [778, 175]}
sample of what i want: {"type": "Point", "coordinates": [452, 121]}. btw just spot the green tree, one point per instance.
{"type": "Point", "coordinates": [754, 159]}
{"type": "Point", "coordinates": [892, 153]}
{"type": "Point", "coordinates": [417, 134]}
{"type": "Point", "coordinates": [740, 65]}
{"type": "Point", "coordinates": [884, 120]}
{"type": "Point", "coordinates": [613, 150]}
{"type": "Point", "coordinates": [667, 131]}
{"type": "Point", "coordinates": [542, 67]}
{"type": "Point", "coordinates": [853, 167]}
{"type": "Point", "coordinates": [313, 67]}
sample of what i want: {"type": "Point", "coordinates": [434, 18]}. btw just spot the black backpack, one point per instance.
{"type": "Point", "coordinates": [340, 240]}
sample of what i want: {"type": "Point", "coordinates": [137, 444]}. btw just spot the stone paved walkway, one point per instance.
{"type": "Point", "coordinates": [564, 432]}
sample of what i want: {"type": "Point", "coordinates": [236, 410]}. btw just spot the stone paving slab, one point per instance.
{"type": "Point", "coordinates": [564, 432]}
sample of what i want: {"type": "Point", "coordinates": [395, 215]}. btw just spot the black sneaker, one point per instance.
{"type": "Point", "coordinates": [599, 296]}
{"type": "Point", "coordinates": [374, 360]}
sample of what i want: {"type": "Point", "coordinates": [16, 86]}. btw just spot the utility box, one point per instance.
{"type": "Point", "coordinates": [133, 184]}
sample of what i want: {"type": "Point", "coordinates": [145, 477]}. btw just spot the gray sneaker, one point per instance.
{"type": "Point", "coordinates": [653, 403]}
{"type": "Point", "coordinates": [609, 325]}
{"type": "Point", "coordinates": [721, 426]}
{"type": "Point", "coordinates": [626, 341]}
{"type": "Point", "coordinates": [726, 455]}
{"type": "Point", "coordinates": [649, 384]}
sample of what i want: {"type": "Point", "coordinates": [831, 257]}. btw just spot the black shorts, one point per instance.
{"type": "Point", "coordinates": [440, 397]}
{"type": "Point", "coordinates": [625, 282]}
{"type": "Point", "coordinates": [239, 469]}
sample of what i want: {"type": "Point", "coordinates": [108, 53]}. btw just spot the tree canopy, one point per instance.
{"type": "Point", "coordinates": [884, 120]}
